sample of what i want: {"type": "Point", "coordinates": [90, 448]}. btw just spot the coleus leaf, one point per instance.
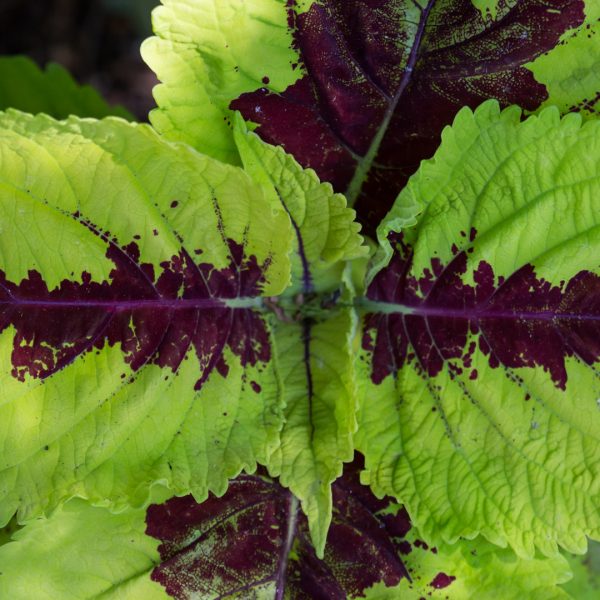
{"type": "Point", "coordinates": [479, 400]}
{"type": "Point", "coordinates": [130, 349]}
{"type": "Point", "coordinates": [570, 72]}
{"type": "Point", "coordinates": [204, 63]}
{"type": "Point", "coordinates": [313, 333]}
{"type": "Point", "coordinates": [26, 87]}
{"type": "Point", "coordinates": [82, 552]}
{"type": "Point", "coordinates": [371, 84]}
{"type": "Point", "coordinates": [254, 543]}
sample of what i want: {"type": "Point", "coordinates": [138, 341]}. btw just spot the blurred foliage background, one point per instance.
{"type": "Point", "coordinates": [96, 40]}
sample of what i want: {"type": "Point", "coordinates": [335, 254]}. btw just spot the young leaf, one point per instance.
{"type": "Point", "coordinates": [131, 352]}
{"type": "Point", "coordinates": [370, 85]}
{"type": "Point", "coordinates": [313, 335]}
{"type": "Point", "coordinates": [253, 543]}
{"type": "Point", "coordinates": [479, 404]}
{"type": "Point", "coordinates": [24, 86]}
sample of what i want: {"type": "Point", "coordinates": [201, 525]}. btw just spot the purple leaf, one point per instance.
{"type": "Point", "coordinates": [256, 537]}
{"type": "Point", "coordinates": [382, 79]}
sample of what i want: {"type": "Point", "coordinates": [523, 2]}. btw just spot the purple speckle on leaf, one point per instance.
{"type": "Point", "coordinates": [245, 532]}
{"type": "Point", "coordinates": [441, 580]}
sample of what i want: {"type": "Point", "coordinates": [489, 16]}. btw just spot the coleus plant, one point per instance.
{"type": "Point", "coordinates": [180, 305]}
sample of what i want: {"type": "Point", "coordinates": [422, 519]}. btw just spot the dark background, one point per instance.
{"type": "Point", "coordinates": [98, 41]}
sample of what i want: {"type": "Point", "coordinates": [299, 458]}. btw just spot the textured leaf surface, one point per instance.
{"type": "Point", "coordinates": [479, 408]}
{"type": "Point", "coordinates": [473, 569]}
{"type": "Point", "coordinates": [130, 350]}
{"type": "Point", "coordinates": [259, 546]}
{"type": "Point", "coordinates": [313, 336]}
{"type": "Point", "coordinates": [24, 86]}
{"type": "Point", "coordinates": [368, 87]}
{"type": "Point", "coordinates": [207, 53]}
{"type": "Point", "coordinates": [253, 543]}
{"type": "Point", "coordinates": [382, 78]}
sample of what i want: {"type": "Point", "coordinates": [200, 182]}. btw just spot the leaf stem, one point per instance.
{"type": "Point", "coordinates": [366, 162]}
{"type": "Point", "coordinates": [293, 506]}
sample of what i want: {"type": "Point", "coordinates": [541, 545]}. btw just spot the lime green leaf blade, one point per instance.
{"type": "Point", "coordinates": [570, 71]}
{"type": "Point", "coordinates": [254, 543]}
{"type": "Point", "coordinates": [82, 552]}
{"type": "Point", "coordinates": [130, 343]}
{"type": "Point", "coordinates": [479, 368]}
{"type": "Point", "coordinates": [585, 584]}
{"type": "Point", "coordinates": [208, 53]}
{"type": "Point", "coordinates": [313, 338]}
{"type": "Point", "coordinates": [474, 569]}
{"type": "Point", "coordinates": [323, 224]}
{"type": "Point", "coordinates": [26, 87]}
{"type": "Point", "coordinates": [315, 362]}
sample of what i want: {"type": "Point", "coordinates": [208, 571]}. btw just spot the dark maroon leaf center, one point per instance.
{"type": "Point", "coordinates": [255, 536]}
{"type": "Point", "coordinates": [520, 321]}
{"type": "Point", "coordinates": [382, 78]}
{"type": "Point", "coordinates": [155, 317]}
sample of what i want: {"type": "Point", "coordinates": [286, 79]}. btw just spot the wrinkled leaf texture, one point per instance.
{"type": "Point", "coordinates": [480, 378]}
{"type": "Point", "coordinates": [254, 543]}
{"type": "Point", "coordinates": [360, 91]}
{"type": "Point", "coordinates": [130, 348]}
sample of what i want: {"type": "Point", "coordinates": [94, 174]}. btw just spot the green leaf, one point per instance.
{"type": "Point", "coordinates": [253, 543]}
{"type": "Point", "coordinates": [571, 70]}
{"type": "Point", "coordinates": [474, 569]}
{"type": "Point", "coordinates": [208, 53]}
{"type": "Point", "coordinates": [130, 343]}
{"type": "Point", "coordinates": [312, 330]}
{"type": "Point", "coordinates": [479, 369]}
{"type": "Point", "coordinates": [24, 86]}
{"type": "Point", "coordinates": [82, 552]}
{"type": "Point", "coordinates": [361, 92]}
{"type": "Point", "coordinates": [323, 225]}
{"type": "Point", "coordinates": [585, 584]}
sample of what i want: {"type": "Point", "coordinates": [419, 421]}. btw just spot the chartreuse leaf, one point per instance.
{"type": "Point", "coordinates": [585, 584]}
{"type": "Point", "coordinates": [473, 569]}
{"type": "Point", "coordinates": [571, 71]}
{"type": "Point", "coordinates": [360, 91]}
{"type": "Point", "coordinates": [480, 379]}
{"type": "Point", "coordinates": [313, 332]}
{"type": "Point", "coordinates": [207, 53]}
{"type": "Point", "coordinates": [130, 348]}
{"type": "Point", "coordinates": [254, 543]}
{"type": "Point", "coordinates": [82, 552]}
{"type": "Point", "coordinates": [24, 86]}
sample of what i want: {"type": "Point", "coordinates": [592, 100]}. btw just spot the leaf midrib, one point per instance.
{"type": "Point", "coordinates": [128, 305]}
{"type": "Point", "coordinates": [364, 164]}
{"type": "Point", "coordinates": [471, 314]}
